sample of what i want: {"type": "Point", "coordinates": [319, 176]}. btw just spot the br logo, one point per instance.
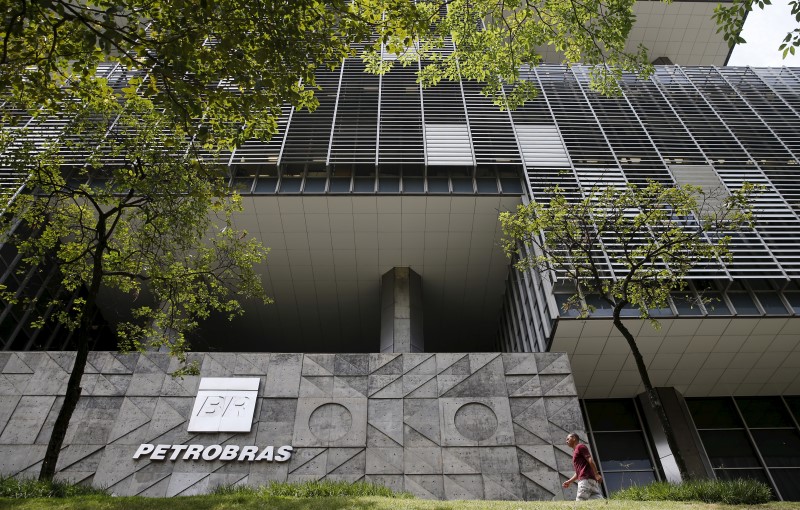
{"type": "Point", "coordinates": [224, 405]}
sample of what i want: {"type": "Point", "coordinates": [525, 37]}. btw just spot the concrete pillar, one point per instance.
{"type": "Point", "coordinates": [401, 311]}
{"type": "Point", "coordinates": [686, 436]}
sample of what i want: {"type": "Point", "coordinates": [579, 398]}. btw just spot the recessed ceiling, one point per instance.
{"type": "Point", "coordinates": [329, 252]}
{"type": "Point", "coordinates": [698, 356]}
{"type": "Point", "coordinates": [682, 31]}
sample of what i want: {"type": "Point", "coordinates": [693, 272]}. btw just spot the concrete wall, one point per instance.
{"type": "Point", "coordinates": [448, 426]}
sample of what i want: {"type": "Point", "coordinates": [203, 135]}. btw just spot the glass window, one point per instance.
{"type": "Point", "coordinates": [462, 185]}
{"type": "Point", "coordinates": [743, 303]}
{"type": "Point", "coordinates": [291, 185]}
{"type": "Point", "coordinates": [624, 479]}
{"type": "Point", "coordinates": [511, 186]}
{"type": "Point", "coordinates": [686, 303]}
{"type": "Point", "coordinates": [739, 474]}
{"type": "Point", "coordinates": [729, 448]}
{"type": "Point", "coordinates": [340, 185]}
{"type": "Point", "coordinates": [561, 300]}
{"type": "Point", "coordinates": [266, 185]}
{"type": "Point", "coordinates": [242, 184]}
{"type": "Point", "coordinates": [486, 185]}
{"type": "Point", "coordinates": [622, 451]}
{"type": "Point", "coordinates": [794, 299]}
{"type": "Point", "coordinates": [389, 185]}
{"type": "Point", "coordinates": [315, 185]}
{"type": "Point", "coordinates": [607, 415]}
{"type": "Point", "coordinates": [794, 406]}
{"type": "Point", "coordinates": [713, 413]}
{"type": "Point", "coordinates": [771, 302]}
{"type": "Point", "coordinates": [714, 303]}
{"type": "Point", "coordinates": [438, 185]}
{"type": "Point", "coordinates": [778, 447]}
{"type": "Point", "coordinates": [764, 412]}
{"type": "Point", "coordinates": [364, 185]}
{"type": "Point", "coordinates": [601, 307]}
{"type": "Point", "coordinates": [413, 185]}
{"type": "Point", "coordinates": [788, 482]}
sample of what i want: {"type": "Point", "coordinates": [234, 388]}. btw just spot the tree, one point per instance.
{"type": "Point", "coordinates": [212, 75]}
{"type": "Point", "coordinates": [153, 219]}
{"type": "Point", "coordinates": [233, 63]}
{"type": "Point", "coordinates": [629, 247]}
{"type": "Point", "coordinates": [730, 19]}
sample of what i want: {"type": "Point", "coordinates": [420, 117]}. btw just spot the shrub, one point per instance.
{"type": "Point", "coordinates": [31, 488]}
{"type": "Point", "coordinates": [730, 492]}
{"type": "Point", "coordinates": [312, 489]}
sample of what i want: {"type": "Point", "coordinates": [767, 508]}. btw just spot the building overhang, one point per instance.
{"type": "Point", "coordinates": [707, 356]}
{"type": "Point", "coordinates": [327, 257]}
{"type": "Point", "coordinates": [682, 31]}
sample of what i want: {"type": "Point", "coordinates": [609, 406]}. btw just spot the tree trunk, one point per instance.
{"type": "Point", "coordinates": [652, 394]}
{"type": "Point", "coordinates": [71, 397]}
{"type": "Point", "coordinates": [73, 392]}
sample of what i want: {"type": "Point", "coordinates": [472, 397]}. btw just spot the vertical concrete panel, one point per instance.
{"type": "Point", "coordinates": [441, 426]}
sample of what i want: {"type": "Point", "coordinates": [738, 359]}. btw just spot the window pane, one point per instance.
{"type": "Point", "coordinates": [714, 303]}
{"type": "Point", "coordinates": [461, 185]}
{"type": "Point", "coordinates": [686, 303]}
{"type": "Point", "coordinates": [742, 474]}
{"type": "Point", "coordinates": [713, 413]}
{"type": "Point", "coordinates": [743, 304]}
{"type": "Point", "coordinates": [438, 185]}
{"type": "Point", "coordinates": [413, 185]}
{"type": "Point", "coordinates": [315, 185]}
{"type": "Point", "coordinates": [729, 448]}
{"type": "Point", "coordinates": [291, 185]}
{"type": "Point", "coordinates": [794, 299]}
{"type": "Point", "coordinates": [612, 415]}
{"type": "Point", "coordinates": [764, 412]}
{"type": "Point", "coordinates": [266, 185]}
{"type": "Point", "coordinates": [340, 185]}
{"type": "Point", "coordinates": [487, 185]}
{"type": "Point", "coordinates": [389, 185]}
{"type": "Point", "coordinates": [771, 302]}
{"type": "Point", "coordinates": [511, 186]}
{"type": "Point", "coordinates": [794, 405]}
{"type": "Point", "coordinates": [625, 479]}
{"type": "Point", "coordinates": [601, 307]}
{"type": "Point", "coordinates": [364, 185]}
{"type": "Point", "coordinates": [779, 447]}
{"type": "Point", "coordinates": [622, 450]}
{"type": "Point", "coordinates": [788, 482]}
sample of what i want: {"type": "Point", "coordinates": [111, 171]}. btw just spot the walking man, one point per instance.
{"type": "Point", "coordinates": [586, 472]}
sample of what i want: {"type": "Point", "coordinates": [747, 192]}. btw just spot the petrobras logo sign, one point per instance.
{"type": "Point", "coordinates": [223, 404]}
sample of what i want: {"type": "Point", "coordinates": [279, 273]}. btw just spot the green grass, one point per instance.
{"type": "Point", "coordinates": [32, 488]}
{"type": "Point", "coordinates": [314, 489]}
{"type": "Point", "coordinates": [730, 492]}
{"type": "Point", "coordinates": [33, 495]}
{"type": "Point", "coordinates": [237, 502]}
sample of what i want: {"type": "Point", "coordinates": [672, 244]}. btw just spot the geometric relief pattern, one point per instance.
{"type": "Point", "coordinates": [439, 425]}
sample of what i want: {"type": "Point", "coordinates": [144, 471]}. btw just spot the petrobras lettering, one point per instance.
{"type": "Point", "coordinates": [228, 452]}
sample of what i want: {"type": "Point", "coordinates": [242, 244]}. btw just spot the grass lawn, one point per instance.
{"type": "Point", "coordinates": [214, 502]}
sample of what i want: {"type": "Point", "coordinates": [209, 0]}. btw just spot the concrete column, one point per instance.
{"type": "Point", "coordinates": [401, 311]}
{"type": "Point", "coordinates": [686, 436]}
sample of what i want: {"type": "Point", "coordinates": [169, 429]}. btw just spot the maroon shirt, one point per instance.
{"type": "Point", "coordinates": [580, 459]}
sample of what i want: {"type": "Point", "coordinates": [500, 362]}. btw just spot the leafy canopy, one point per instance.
{"type": "Point", "coordinates": [630, 245]}
{"type": "Point", "coordinates": [144, 215]}
{"type": "Point", "coordinates": [730, 18]}
{"type": "Point", "coordinates": [223, 68]}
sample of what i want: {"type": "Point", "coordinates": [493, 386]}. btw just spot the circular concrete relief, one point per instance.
{"type": "Point", "coordinates": [330, 422]}
{"type": "Point", "coordinates": [476, 421]}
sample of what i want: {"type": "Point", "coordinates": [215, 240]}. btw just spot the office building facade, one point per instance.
{"type": "Point", "coordinates": [381, 212]}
